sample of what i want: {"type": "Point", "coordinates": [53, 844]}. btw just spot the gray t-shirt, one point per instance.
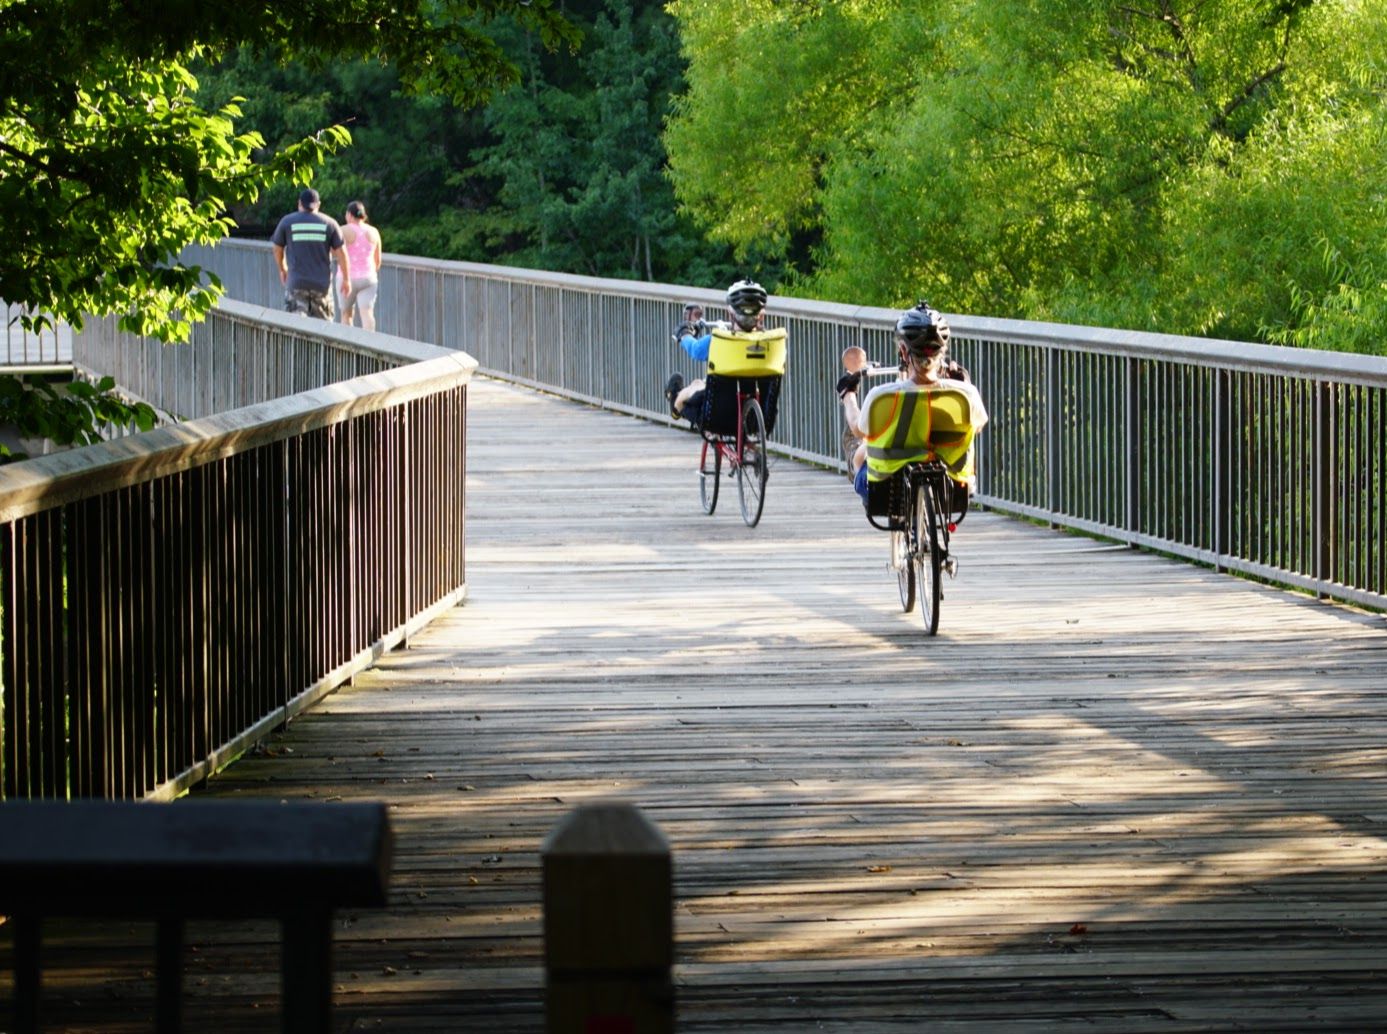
{"type": "Point", "coordinates": [308, 239]}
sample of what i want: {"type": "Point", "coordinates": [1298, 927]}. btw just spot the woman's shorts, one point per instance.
{"type": "Point", "coordinates": [363, 294]}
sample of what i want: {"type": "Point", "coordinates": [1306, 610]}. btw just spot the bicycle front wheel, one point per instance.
{"type": "Point", "coordinates": [709, 476]}
{"type": "Point", "coordinates": [751, 471]}
{"type": "Point", "coordinates": [849, 441]}
{"type": "Point", "coordinates": [926, 551]}
{"type": "Point", "coordinates": [905, 569]}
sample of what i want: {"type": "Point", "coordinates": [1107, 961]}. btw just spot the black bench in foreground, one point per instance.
{"type": "Point", "coordinates": [295, 862]}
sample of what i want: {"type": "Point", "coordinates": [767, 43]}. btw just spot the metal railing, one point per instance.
{"type": "Point", "coordinates": [168, 598]}
{"type": "Point", "coordinates": [1263, 460]}
{"type": "Point", "coordinates": [27, 351]}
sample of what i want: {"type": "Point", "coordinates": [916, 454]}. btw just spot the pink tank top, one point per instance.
{"type": "Point", "coordinates": [360, 254]}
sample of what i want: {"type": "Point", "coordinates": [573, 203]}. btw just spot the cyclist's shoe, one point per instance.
{"type": "Point", "coordinates": [673, 387]}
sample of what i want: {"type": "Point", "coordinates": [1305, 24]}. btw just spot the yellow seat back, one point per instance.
{"type": "Point", "coordinates": [734, 353]}
{"type": "Point", "coordinates": [919, 424]}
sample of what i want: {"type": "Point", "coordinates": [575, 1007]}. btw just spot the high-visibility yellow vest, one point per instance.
{"type": "Point", "coordinates": [918, 424]}
{"type": "Point", "coordinates": [735, 353]}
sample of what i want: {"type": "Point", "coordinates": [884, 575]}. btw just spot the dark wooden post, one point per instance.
{"type": "Point", "coordinates": [296, 862]}
{"type": "Point", "coordinates": [306, 972]}
{"type": "Point", "coordinates": [168, 1010]}
{"type": "Point", "coordinates": [608, 924]}
{"type": "Point", "coordinates": [28, 990]}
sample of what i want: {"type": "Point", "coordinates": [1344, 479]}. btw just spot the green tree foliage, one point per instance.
{"type": "Point", "coordinates": [110, 166]}
{"type": "Point", "coordinates": [576, 159]}
{"type": "Point", "coordinates": [404, 157]}
{"type": "Point", "coordinates": [1165, 164]}
{"type": "Point", "coordinates": [68, 414]}
{"type": "Point", "coordinates": [565, 169]}
{"type": "Point", "coordinates": [779, 93]}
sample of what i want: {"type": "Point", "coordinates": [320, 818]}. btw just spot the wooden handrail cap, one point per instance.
{"type": "Point", "coordinates": [191, 858]}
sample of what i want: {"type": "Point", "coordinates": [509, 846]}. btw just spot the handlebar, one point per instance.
{"type": "Point", "coordinates": [875, 369]}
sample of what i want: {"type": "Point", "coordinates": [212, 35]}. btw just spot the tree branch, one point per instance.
{"type": "Point", "coordinates": [25, 157]}
{"type": "Point", "coordinates": [1219, 123]}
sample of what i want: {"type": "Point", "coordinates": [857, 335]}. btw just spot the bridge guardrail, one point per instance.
{"type": "Point", "coordinates": [1263, 460]}
{"type": "Point", "coordinates": [26, 351]}
{"type": "Point", "coordinates": [171, 597]}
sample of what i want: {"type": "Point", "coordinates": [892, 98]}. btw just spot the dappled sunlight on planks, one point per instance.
{"type": "Point", "coordinates": [1116, 792]}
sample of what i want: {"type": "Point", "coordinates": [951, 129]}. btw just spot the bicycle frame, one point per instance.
{"type": "Point", "coordinates": [723, 443]}
{"type": "Point", "coordinates": [748, 470]}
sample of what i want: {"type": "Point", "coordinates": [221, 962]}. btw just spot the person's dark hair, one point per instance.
{"type": "Point", "coordinates": [357, 209]}
{"type": "Point", "coordinates": [923, 330]}
{"type": "Point", "coordinates": [747, 300]}
{"type": "Point", "coordinates": [308, 199]}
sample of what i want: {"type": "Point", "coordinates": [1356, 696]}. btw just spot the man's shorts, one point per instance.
{"type": "Point", "coordinates": [310, 303]}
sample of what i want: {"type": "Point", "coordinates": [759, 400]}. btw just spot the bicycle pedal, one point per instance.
{"type": "Point", "coordinates": [951, 567]}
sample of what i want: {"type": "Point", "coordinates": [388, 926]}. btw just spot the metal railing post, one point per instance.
{"type": "Point", "coordinates": [1131, 446]}
{"type": "Point", "coordinates": [1324, 466]}
{"type": "Point", "coordinates": [1052, 436]}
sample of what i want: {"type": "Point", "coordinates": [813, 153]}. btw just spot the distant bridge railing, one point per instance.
{"type": "Point", "coordinates": [28, 351]}
{"type": "Point", "coordinates": [169, 598]}
{"type": "Point", "coordinates": [1267, 461]}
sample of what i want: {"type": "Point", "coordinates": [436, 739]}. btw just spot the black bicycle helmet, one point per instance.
{"type": "Point", "coordinates": [747, 300]}
{"type": "Point", "coordinates": [924, 330]}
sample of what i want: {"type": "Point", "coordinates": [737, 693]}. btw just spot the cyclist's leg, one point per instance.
{"type": "Point", "coordinates": [691, 400]}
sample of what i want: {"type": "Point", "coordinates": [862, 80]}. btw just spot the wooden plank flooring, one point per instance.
{"type": "Point", "coordinates": [1115, 793]}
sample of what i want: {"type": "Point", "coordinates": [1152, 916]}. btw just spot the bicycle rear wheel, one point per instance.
{"type": "Point", "coordinates": [926, 551]}
{"type": "Point", "coordinates": [905, 569]}
{"type": "Point", "coordinates": [709, 476]}
{"type": "Point", "coordinates": [751, 471]}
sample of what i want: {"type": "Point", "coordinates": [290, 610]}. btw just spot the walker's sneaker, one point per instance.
{"type": "Point", "coordinates": [673, 387]}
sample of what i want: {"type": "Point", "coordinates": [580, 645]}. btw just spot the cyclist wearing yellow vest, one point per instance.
{"type": "Point", "coordinates": [746, 308]}
{"type": "Point", "coordinates": [922, 343]}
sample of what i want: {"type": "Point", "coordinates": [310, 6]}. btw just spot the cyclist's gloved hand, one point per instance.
{"type": "Point", "coordinates": [848, 382]}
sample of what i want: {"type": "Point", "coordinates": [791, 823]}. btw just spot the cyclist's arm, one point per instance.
{"type": "Point", "coordinates": [862, 429]}
{"type": "Point", "coordinates": [697, 347]}
{"type": "Point", "coordinates": [852, 412]}
{"type": "Point", "coordinates": [979, 411]}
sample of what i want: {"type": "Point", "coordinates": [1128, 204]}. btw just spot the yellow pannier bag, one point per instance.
{"type": "Point", "coordinates": [760, 353]}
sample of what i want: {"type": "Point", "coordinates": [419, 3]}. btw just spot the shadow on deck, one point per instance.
{"type": "Point", "coordinates": [1115, 793]}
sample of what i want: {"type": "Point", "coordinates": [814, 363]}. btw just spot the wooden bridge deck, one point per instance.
{"type": "Point", "coordinates": [1116, 793]}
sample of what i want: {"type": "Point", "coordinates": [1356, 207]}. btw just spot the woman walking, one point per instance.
{"type": "Point", "coordinates": [363, 258]}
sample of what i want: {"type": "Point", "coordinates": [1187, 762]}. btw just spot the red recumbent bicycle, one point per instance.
{"type": "Point", "coordinates": [743, 384]}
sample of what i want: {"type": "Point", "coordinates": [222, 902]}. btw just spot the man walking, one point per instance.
{"type": "Point", "coordinates": [305, 243]}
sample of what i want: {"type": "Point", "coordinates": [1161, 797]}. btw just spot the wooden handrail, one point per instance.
{"type": "Point", "coordinates": [168, 863]}
{"type": "Point", "coordinates": [170, 598]}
